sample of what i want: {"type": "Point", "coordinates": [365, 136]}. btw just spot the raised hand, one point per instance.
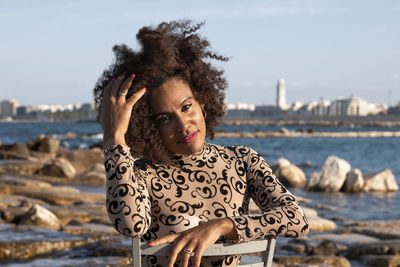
{"type": "Point", "coordinates": [116, 109]}
{"type": "Point", "coordinates": [195, 241]}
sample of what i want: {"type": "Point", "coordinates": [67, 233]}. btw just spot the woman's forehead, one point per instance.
{"type": "Point", "coordinates": [171, 93]}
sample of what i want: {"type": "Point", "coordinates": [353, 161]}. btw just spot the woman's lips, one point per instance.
{"type": "Point", "coordinates": [188, 138]}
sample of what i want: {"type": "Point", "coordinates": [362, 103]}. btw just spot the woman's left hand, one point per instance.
{"type": "Point", "coordinates": [196, 239]}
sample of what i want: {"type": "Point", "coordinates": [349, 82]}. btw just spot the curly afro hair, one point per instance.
{"type": "Point", "coordinates": [170, 50]}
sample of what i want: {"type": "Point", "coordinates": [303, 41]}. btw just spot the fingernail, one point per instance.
{"type": "Point", "coordinates": [144, 88]}
{"type": "Point", "coordinates": [133, 75]}
{"type": "Point", "coordinates": [151, 243]}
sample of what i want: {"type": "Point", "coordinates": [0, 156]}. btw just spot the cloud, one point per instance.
{"type": "Point", "coordinates": [396, 76]}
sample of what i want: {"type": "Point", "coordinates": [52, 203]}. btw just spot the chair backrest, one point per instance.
{"type": "Point", "coordinates": [266, 246]}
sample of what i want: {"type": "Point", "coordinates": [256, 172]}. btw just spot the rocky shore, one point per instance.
{"type": "Point", "coordinates": [52, 212]}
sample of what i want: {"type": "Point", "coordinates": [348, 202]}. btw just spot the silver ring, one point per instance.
{"type": "Point", "coordinates": [188, 251]}
{"type": "Point", "coordinates": [122, 94]}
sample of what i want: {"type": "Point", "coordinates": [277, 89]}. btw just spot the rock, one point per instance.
{"type": "Point", "coordinates": [381, 260]}
{"type": "Point", "coordinates": [312, 261]}
{"type": "Point", "coordinates": [16, 166]}
{"type": "Point", "coordinates": [60, 167]}
{"type": "Point", "coordinates": [379, 229]}
{"type": "Point", "coordinates": [40, 217]}
{"type": "Point", "coordinates": [26, 242]}
{"type": "Point", "coordinates": [45, 143]}
{"type": "Point", "coordinates": [317, 223]}
{"type": "Point", "coordinates": [383, 247]}
{"type": "Point", "coordinates": [81, 214]}
{"type": "Point", "coordinates": [20, 148]}
{"type": "Point", "coordinates": [298, 248]}
{"type": "Point", "coordinates": [380, 181]}
{"type": "Point", "coordinates": [83, 160]}
{"type": "Point", "coordinates": [289, 174]}
{"type": "Point", "coordinates": [332, 175]}
{"type": "Point", "coordinates": [89, 228]}
{"type": "Point", "coordinates": [62, 195]}
{"type": "Point", "coordinates": [95, 177]}
{"type": "Point", "coordinates": [345, 239]}
{"type": "Point", "coordinates": [354, 181]}
{"type": "Point", "coordinates": [284, 130]}
{"type": "Point", "coordinates": [325, 248]}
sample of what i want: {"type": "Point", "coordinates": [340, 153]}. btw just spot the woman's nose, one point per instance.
{"type": "Point", "coordinates": [182, 123]}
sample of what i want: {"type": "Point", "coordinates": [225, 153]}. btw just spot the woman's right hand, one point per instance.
{"type": "Point", "coordinates": [116, 109]}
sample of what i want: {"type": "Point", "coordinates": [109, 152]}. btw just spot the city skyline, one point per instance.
{"type": "Point", "coordinates": [53, 52]}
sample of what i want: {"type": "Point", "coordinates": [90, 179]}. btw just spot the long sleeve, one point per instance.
{"type": "Point", "coordinates": [281, 215]}
{"type": "Point", "coordinates": [128, 201]}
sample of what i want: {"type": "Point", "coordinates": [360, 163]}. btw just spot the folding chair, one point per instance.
{"type": "Point", "coordinates": [267, 246]}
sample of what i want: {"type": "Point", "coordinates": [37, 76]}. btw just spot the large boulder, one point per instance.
{"type": "Point", "coordinates": [354, 181]}
{"type": "Point", "coordinates": [332, 175]}
{"type": "Point", "coordinates": [60, 167]}
{"type": "Point", "coordinates": [40, 217]}
{"type": "Point", "coordinates": [45, 143]}
{"type": "Point", "coordinates": [83, 159]}
{"type": "Point", "coordinates": [289, 174]}
{"type": "Point", "coordinates": [380, 181]}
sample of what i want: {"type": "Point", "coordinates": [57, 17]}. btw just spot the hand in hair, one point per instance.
{"type": "Point", "coordinates": [116, 109]}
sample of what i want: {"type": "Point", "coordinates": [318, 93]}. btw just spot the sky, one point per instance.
{"type": "Point", "coordinates": [53, 52]}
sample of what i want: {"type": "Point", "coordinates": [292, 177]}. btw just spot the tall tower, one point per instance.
{"type": "Point", "coordinates": [281, 94]}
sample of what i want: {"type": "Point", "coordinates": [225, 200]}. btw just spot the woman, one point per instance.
{"type": "Point", "coordinates": [164, 182]}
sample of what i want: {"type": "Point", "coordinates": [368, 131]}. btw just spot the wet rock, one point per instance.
{"type": "Point", "coordinates": [83, 160]}
{"type": "Point", "coordinates": [380, 181]}
{"type": "Point", "coordinates": [312, 261]}
{"type": "Point", "coordinates": [115, 246]}
{"type": "Point", "coordinates": [28, 242]}
{"type": "Point", "coordinates": [289, 174]}
{"type": "Point", "coordinates": [354, 181]}
{"type": "Point", "coordinates": [60, 167]}
{"type": "Point", "coordinates": [38, 216]}
{"type": "Point", "coordinates": [332, 175]}
{"type": "Point", "coordinates": [317, 223]}
{"type": "Point", "coordinates": [45, 143]}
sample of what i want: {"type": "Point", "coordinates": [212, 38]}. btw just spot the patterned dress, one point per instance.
{"type": "Point", "coordinates": [152, 200]}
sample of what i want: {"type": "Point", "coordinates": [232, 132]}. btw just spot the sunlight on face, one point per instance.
{"type": "Point", "coordinates": [179, 117]}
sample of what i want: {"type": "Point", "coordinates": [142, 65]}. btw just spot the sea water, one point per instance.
{"type": "Point", "coordinates": [367, 154]}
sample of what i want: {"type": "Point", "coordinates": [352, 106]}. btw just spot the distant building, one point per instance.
{"type": "Point", "coordinates": [239, 110]}
{"type": "Point", "coordinates": [353, 106]}
{"type": "Point", "coordinates": [8, 108]}
{"type": "Point", "coordinates": [281, 95]}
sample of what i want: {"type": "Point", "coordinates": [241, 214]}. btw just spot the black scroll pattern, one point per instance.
{"type": "Point", "coordinates": [151, 200]}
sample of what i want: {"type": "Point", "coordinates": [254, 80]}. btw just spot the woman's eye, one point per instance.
{"type": "Point", "coordinates": [162, 119]}
{"type": "Point", "coordinates": [186, 107]}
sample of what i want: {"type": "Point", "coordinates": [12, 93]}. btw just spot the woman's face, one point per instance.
{"type": "Point", "coordinates": [179, 117]}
